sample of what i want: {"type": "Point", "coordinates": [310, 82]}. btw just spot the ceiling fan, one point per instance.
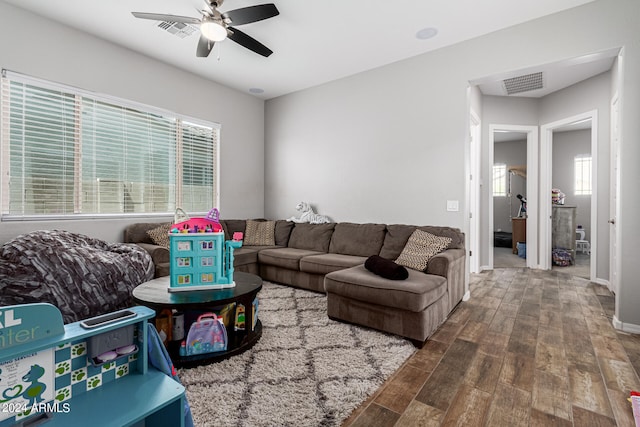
{"type": "Point", "coordinates": [216, 26]}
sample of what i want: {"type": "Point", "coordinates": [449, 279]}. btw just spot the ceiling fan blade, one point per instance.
{"type": "Point", "coordinates": [247, 15]}
{"type": "Point", "coordinates": [169, 18]}
{"type": "Point", "coordinates": [249, 42]}
{"type": "Point", "coordinates": [204, 47]}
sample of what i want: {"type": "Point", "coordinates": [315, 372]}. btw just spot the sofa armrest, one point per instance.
{"type": "Point", "coordinates": [450, 264]}
{"type": "Point", "coordinates": [159, 254]}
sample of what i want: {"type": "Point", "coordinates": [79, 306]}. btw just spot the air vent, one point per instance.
{"type": "Point", "coordinates": [178, 29]}
{"type": "Point", "coordinates": [523, 83]}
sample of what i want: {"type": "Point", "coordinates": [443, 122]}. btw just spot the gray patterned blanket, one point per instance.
{"type": "Point", "coordinates": [82, 276]}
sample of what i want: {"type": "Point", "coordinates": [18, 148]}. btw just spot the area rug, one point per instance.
{"type": "Point", "coordinates": [306, 370]}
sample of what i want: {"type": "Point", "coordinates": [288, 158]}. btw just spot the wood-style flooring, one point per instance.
{"type": "Point", "coordinates": [530, 348]}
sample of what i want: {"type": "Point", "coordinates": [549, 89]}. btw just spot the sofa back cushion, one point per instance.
{"type": "Point", "coordinates": [398, 235]}
{"type": "Point", "coordinates": [260, 233]}
{"type": "Point", "coordinates": [283, 232]}
{"type": "Point", "coordinates": [137, 233]}
{"type": "Point", "coordinates": [231, 226]}
{"type": "Point", "coordinates": [313, 237]}
{"type": "Point", "coordinates": [357, 239]}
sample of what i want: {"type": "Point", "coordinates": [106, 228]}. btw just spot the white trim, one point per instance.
{"type": "Point", "coordinates": [474, 191]}
{"type": "Point", "coordinates": [532, 195]}
{"type": "Point", "coordinates": [625, 327]}
{"type": "Point", "coordinates": [546, 169]}
{"type": "Point", "coordinates": [602, 282]}
{"type": "Point", "coordinates": [614, 196]}
{"type": "Point", "coordinates": [466, 296]}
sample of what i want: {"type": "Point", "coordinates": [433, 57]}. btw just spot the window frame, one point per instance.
{"type": "Point", "coordinates": [175, 162]}
{"type": "Point", "coordinates": [503, 168]}
{"type": "Point", "coordinates": [582, 174]}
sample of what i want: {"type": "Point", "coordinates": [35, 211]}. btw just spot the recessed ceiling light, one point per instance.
{"type": "Point", "coordinates": [256, 90]}
{"type": "Point", "coordinates": [426, 33]}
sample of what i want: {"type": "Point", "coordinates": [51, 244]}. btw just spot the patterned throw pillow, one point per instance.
{"type": "Point", "coordinates": [260, 233]}
{"type": "Point", "coordinates": [160, 235]}
{"type": "Point", "coordinates": [419, 249]}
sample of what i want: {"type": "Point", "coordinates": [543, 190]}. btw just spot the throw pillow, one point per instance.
{"type": "Point", "coordinates": [419, 249]}
{"type": "Point", "coordinates": [385, 268]}
{"type": "Point", "coordinates": [260, 233]}
{"type": "Point", "coordinates": [160, 235]}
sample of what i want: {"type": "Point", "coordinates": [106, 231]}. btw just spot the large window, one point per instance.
{"type": "Point", "coordinates": [499, 180]}
{"type": "Point", "coordinates": [582, 168]}
{"type": "Point", "coordinates": [67, 152]}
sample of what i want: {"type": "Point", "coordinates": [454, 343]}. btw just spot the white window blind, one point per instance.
{"type": "Point", "coordinates": [582, 169]}
{"type": "Point", "coordinates": [499, 180]}
{"type": "Point", "coordinates": [69, 152]}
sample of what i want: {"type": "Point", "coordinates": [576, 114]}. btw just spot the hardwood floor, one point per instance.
{"type": "Point", "coordinates": [530, 348]}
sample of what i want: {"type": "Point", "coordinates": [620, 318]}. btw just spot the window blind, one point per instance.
{"type": "Point", "coordinates": [499, 180]}
{"type": "Point", "coordinates": [582, 169]}
{"type": "Point", "coordinates": [69, 152]}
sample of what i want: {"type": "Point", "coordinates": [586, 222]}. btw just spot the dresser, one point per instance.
{"type": "Point", "coordinates": [563, 228]}
{"type": "Point", "coordinates": [518, 232]}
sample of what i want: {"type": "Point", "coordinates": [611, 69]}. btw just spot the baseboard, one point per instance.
{"type": "Point", "coordinates": [484, 268]}
{"type": "Point", "coordinates": [466, 296]}
{"type": "Point", "coordinates": [602, 282]}
{"type": "Point", "coordinates": [625, 327]}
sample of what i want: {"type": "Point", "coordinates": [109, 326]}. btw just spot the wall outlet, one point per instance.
{"type": "Point", "coordinates": [453, 206]}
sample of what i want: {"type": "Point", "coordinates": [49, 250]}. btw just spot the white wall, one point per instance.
{"type": "Point", "coordinates": [389, 145]}
{"type": "Point", "coordinates": [32, 45]}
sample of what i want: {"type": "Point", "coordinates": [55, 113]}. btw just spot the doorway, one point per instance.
{"type": "Point", "coordinates": [571, 214]}
{"type": "Point", "coordinates": [514, 200]}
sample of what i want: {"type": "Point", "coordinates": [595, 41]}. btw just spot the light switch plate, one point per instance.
{"type": "Point", "coordinates": [453, 206]}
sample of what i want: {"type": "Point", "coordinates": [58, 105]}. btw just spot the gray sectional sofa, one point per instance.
{"type": "Point", "coordinates": [330, 258]}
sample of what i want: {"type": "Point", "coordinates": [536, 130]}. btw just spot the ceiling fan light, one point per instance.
{"type": "Point", "coordinates": [213, 31]}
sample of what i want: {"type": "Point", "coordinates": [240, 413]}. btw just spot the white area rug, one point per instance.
{"type": "Point", "coordinates": [306, 370]}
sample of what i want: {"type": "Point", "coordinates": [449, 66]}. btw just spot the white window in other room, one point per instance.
{"type": "Point", "coordinates": [68, 152]}
{"type": "Point", "coordinates": [582, 169]}
{"type": "Point", "coordinates": [499, 180]}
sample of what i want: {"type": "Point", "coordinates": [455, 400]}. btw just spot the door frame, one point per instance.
{"type": "Point", "coordinates": [532, 191]}
{"type": "Point", "coordinates": [546, 169]}
{"type": "Point", "coordinates": [614, 196]}
{"type": "Point", "coordinates": [475, 138]}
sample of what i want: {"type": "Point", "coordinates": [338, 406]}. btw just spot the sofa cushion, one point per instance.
{"type": "Point", "coordinates": [395, 240]}
{"type": "Point", "coordinates": [245, 255]}
{"type": "Point", "coordinates": [231, 226]}
{"type": "Point", "coordinates": [313, 237]}
{"type": "Point", "coordinates": [288, 258]}
{"type": "Point", "coordinates": [456, 236]}
{"type": "Point", "coordinates": [137, 233]}
{"type": "Point", "coordinates": [420, 248]}
{"type": "Point", "coordinates": [283, 232]}
{"type": "Point", "coordinates": [326, 263]}
{"type": "Point", "coordinates": [260, 233]}
{"type": "Point", "coordinates": [414, 294]}
{"type": "Point", "coordinates": [357, 239]}
{"type": "Point", "coordinates": [398, 234]}
{"type": "Point", "coordinates": [160, 235]}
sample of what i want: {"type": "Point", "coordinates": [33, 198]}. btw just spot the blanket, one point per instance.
{"type": "Point", "coordinates": [82, 276]}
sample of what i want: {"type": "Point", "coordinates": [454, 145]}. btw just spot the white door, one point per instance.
{"type": "Point", "coordinates": [474, 190]}
{"type": "Point", "coordinates": [613, 195]}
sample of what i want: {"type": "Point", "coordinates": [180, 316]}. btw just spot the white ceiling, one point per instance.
{"type": "Point", "coordinates": [313, 41]}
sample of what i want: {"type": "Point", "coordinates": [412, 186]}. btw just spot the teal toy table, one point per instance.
{"type": "Point", "coordinates": [49, 375]}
